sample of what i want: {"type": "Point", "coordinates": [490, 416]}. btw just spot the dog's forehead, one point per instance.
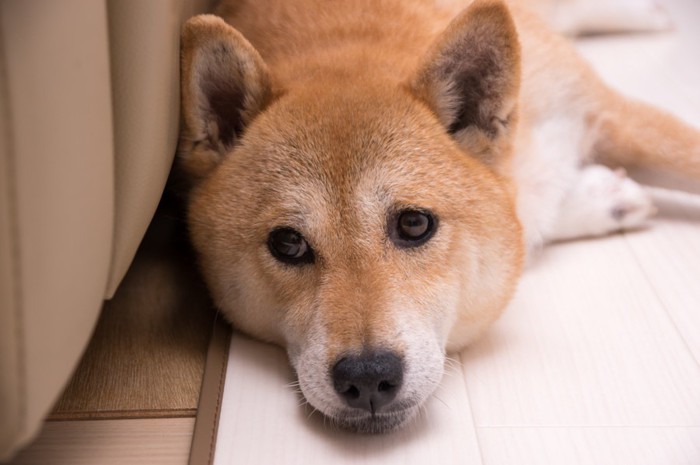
{"type": "Point", "coordinates": [340, 136]}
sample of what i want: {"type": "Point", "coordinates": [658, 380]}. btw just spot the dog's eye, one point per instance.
{"type": "Point", "coordinates": [289, 246]}
{"type": "Point", "coordinates": [413, 228]}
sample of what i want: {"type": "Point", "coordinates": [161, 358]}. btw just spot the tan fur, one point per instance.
{"type": "Point", "coordinates": [337, 115]}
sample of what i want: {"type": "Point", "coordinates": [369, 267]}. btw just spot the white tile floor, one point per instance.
{"type": "Point", "coordinates": [597, 360]}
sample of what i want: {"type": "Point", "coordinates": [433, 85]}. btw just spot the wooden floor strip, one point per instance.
{"type": "Point", "coordinates": [212, 391]}
{"type": "Point", "coordinates": [111, 442]}
{"type": "Point", "coordinates": [590, 446]}
{"type": "Point", "coordinates": [146, 356]}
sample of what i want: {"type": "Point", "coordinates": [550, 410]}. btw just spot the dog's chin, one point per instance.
{"type": "Point", "coordinates": [377, 423]}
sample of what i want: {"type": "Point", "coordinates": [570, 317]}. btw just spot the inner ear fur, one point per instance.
{"type": "Point", "coordinates": [224, 85]}
{"type": "Point", "coordinates": [470, 78]}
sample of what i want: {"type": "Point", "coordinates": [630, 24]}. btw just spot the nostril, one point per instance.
{"type": "Point", "coordinates": [351, 393]}
{"type": "Point", "coordinates": [385, 386]}
{"type": "Point", "coordinates": [368, 381]}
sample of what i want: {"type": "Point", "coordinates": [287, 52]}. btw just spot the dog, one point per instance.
{"type": "Point", "coordinates": [368, 178]}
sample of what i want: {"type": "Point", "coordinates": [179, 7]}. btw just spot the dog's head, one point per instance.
{"type": "Point", "coordinates": [356, 220]}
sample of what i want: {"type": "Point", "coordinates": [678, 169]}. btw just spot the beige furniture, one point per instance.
{"type": "Point", "coordinates": [88, 129]}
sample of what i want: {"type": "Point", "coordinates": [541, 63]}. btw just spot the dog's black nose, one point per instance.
{"type": "Point", "coordinates": [368, 381]}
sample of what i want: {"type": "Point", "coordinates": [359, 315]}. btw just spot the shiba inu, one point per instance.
{"type": "Point", "coordinates": [368, 177]}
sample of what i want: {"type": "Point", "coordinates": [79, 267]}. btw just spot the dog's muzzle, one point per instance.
{"type": "Point", "coordinates": [368, 385]}
{"type": "Point", "coordinates": [369, 381]}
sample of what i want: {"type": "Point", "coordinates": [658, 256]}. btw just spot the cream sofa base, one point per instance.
{"type": "Point", "coordinates": [88, 127]}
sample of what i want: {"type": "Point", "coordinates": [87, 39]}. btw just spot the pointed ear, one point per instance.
{"type": "Point", "coordinates": [470, 78]}
{"type": "Point", "coordinates": [224, 85]}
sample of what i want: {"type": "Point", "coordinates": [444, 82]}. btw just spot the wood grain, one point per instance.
{"type": "Point", "coordinates": [262, 421]}
{"type": "Point", "coordinates": [585, 342]}
{"type": "Point", "coordinates": [107, 442]}
{"type": "Point", "coordinates": [670, 259]}
{"type": "Point", "coordinates": [146, 357]}
{"type": "Point", "coordinates": [590, 446]}
{"type": "Point", "coordinates": [211, 397]}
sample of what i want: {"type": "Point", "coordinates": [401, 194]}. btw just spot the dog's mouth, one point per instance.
{"type": "Point", "coordinates": [372, 423]}
{"type": "Point", "coordinates": [375, 392]}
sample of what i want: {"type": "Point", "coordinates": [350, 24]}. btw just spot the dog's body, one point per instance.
{"type": "Point", "coordinates": [368, 177]}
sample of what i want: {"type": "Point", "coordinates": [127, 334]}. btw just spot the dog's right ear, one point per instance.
{"type": "Point", "coordinates": [470, 78]}
{"type": "Point", "coordinates": [224, 85]}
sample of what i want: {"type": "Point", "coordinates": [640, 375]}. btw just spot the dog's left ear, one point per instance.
{"type": "Point", "coordinates": [225, 84]}
{"type": "Point", "coordinates": [470, 78]}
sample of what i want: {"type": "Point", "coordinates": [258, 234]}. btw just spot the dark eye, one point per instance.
{"type": "Point", "coordinates": [289, 246]}
{"type": "Point", "coordinates": [413, 228]}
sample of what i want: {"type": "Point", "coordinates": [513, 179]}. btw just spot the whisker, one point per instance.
{"type": "Point", "coordinates": [422, 414]}
{"type": "Point", "coordinates": [452, 363]}
{"type": "Point", "coordinates": [441, 401]}
{"type": "Point", "coordinates": [311, 413]}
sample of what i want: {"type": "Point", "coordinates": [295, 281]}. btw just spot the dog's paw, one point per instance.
{"type": "Point", "coordinates": [632, 204]}
{"type": "Point", "coordinates": [603, 201]}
